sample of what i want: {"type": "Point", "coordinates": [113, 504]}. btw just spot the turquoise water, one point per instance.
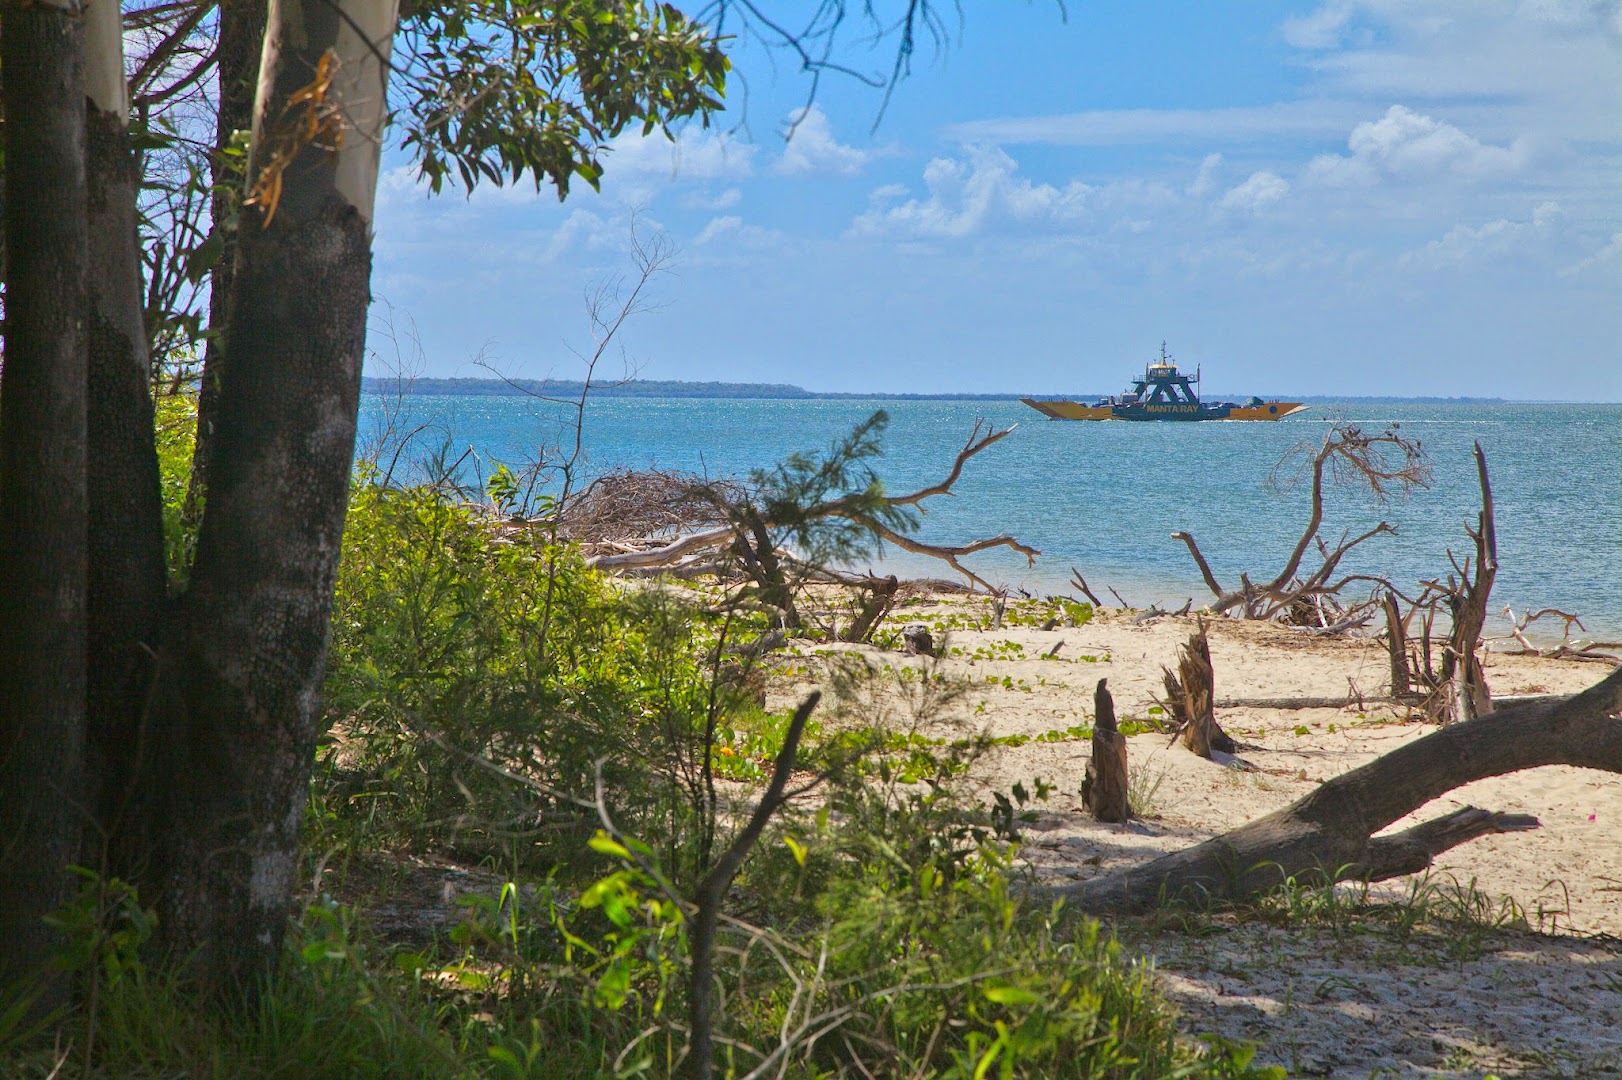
{"type": "Point", "coordinates": [1104, 497]}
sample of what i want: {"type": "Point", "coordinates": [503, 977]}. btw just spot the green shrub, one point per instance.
{"type": "Point", "coordinates": [176, 435]}
{"type": "Point", "coordinates": [480, 686]}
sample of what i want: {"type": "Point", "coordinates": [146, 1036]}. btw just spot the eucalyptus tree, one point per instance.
{"type": "Point", "coordinates": [168, 739]}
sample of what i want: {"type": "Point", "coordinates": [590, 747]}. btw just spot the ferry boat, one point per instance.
{"type": "Point", "coordinates": [1164, 394]}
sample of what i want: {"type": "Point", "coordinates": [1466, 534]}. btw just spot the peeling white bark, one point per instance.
{"type": "Point", "coordinates": [360, 35]}
{"type": "Point", "coordinates": [104, 59]}
{"type": "Point", "coordinates": [284, 28]}
{"type": "Point", "coordinates": [362, 85]}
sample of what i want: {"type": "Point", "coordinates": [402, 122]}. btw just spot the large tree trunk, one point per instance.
{"type": "Point", "coordinates": [244, 669]}
{"type": "Point", "coordinates": [126, 567]}
{"type": "Point", "coordinates": [1329, 833]}
{"type": "Point", "coordinates": [42, 473]}
{"type": "Point", "coordinates": [241, 39]}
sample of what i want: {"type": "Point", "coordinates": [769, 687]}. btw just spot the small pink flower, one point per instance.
{"type": "Point", "coordinates": [1591, 817]}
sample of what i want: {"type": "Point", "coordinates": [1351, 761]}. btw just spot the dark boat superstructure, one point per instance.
{"type": "Point", "coordinates": [1163, 393]}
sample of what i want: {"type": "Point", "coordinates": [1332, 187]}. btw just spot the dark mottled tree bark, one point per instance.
{"type": "Point", "coordinates": [125, 544]}
{"type": "Point", "coordinates": [242, 673]}
{"type": "Point", "coordinates": [42, 474]}
{"type": "Point", "coordinates": [241, 39]}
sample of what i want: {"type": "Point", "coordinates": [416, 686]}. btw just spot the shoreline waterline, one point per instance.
{"type": "Point", "coordinates": [1105, 497]}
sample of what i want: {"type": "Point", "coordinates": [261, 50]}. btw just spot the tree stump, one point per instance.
{"type": "Point", "coordinates": [1104, 788]}
{"type": "Point", "coordinates": [880, 595]}
{"type": "Point", "coordinates": [916, 640]}
{"type": "Point", "coordinates": [1396, 640]}
{"type": "Point", "coordinates": [1192, 698]}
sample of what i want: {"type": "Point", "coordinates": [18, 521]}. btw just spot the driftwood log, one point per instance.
{"type": "Point", "coordinates": [1104, 788]}
{"type": "Point", "coordinates": [1330, 834]}
{"type": "Point", "coordinates": [875, 605]}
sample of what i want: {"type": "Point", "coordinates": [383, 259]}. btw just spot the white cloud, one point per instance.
{"type": "Point", "coordinates": [718, 228]}
{"type": "Point", "coordinates": [966, 196]}
{"type": "Point", "coordinates": [1505, 68]}
{"type": "Point", "coordinates": [1205, 180]}
{"type": "Point", "coordinates": [1260, 190]}
{"type": "Point", "coordinates": [710, 199]}
{"type": "Point", "coordinates": [582, 231]}
{"type": "Point", "coordinates": [1322, 29]}
{"type": "Point", "coordinates": [812, 147]}
{"type": "Point", "coordinates": [1407, 145]}
{"type": "Point", "coordinates": [1124, 127]}
{"type": "Point", "coordinates": [729, 241]}
{"type": "Point", "coordinates": [1609, 254]}
{"type": "Point", "coordinates": [637, 166]}
{"type": "Point", "coordinates": [1465, 245]}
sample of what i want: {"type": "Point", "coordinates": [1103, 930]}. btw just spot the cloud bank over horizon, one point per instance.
{"type": "Point", "coordinates": [1429, 201]}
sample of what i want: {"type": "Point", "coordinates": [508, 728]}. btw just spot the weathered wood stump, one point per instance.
{"type": "Point", "coordinates": [1396, 642]}
{"type": "Point", "coordinates": [916, 640]}
{"type": "Point", "coordinates": [1192, 698]}
{"type": "Point", "coordinates": [1104, 788]}
{"type": "Point", "coordinates": [880, 595]}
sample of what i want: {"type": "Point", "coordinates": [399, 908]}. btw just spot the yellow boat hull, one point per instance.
{"type": "Point", "coordinates": [1075, 410]}
{"type": "Point", "coordinates": [1270, 410]}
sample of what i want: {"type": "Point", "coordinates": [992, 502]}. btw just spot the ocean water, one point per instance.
{"type": "Point", "coordinates": [1105, 497]}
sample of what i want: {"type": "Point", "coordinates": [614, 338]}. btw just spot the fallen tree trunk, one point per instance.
{"type": "Point", "coordinates": [664, 556]}
{"type": "Point", "coordinates": [1330, 832]}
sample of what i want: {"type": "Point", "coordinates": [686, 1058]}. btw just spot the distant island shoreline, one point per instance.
{"type": "Point", "coordinates": [664, 388]}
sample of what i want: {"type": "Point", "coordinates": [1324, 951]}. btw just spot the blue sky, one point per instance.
{"type": "Point", "coordinates": [1352, 197]}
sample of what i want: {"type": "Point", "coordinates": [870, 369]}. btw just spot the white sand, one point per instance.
{"type": "Point", "coordinates": [1524, 1003]}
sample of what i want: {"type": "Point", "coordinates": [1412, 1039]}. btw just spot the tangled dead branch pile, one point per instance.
{"type": "Point", "coordinates": [791, 526]}
{"type": "Point", "coordinates": [629, 510]}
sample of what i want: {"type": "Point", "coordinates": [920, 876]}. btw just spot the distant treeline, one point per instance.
{"type": "Point", "coordinates": [670, 388]}
{"type": "Point", "coordinates": [1392, 399]}
{"type": "Point", "coordinates": [567, 388]}
{"type": "Point", "coordinates": [635, 388]}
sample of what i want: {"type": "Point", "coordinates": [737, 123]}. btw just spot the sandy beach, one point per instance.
{"type": "Point", "coordinates": [1538, 995]}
